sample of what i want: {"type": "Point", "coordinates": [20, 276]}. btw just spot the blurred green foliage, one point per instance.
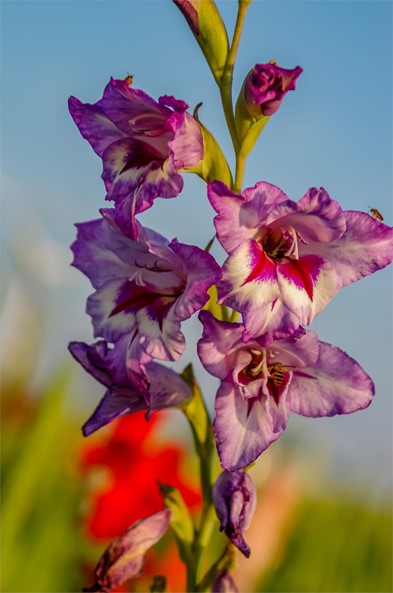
{"type": "Point", "coordinates": [41, 546]}
{"type": "Point", "coordinates": [335, 546]}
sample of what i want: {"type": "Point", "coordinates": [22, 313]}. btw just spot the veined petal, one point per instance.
{"type": "Point", "coordinates": [132, 110]}
{"type": "Point", "coordinates": [123, 559]}
{"type": "Point", "coordinates": [94, 125]}
{"type": "Point", "coordinates": [112, 406]}
{"type": "Point", "coordinates": [336, 384]}
{"type": "Point", "coordinates": [214, 348]}
{"type": "Point", "coordinates": [160, 334]}
{"type": "Point", "coordinates": [187, 143]}
{"type": "Point", "coordinates": [365, 247]}
{"type": "Point", "coordinates": [320, 218]}
{"type": "Point", "coordinates": [239, 216]}
{"type": "Point", "coordinates": [109, 322]}
{"type": "Point", "coordinates": [167, 388]}
{"type": "Point", "coordinates": [201, 271]}
{"type": "Point", "coordinates": [243, 429]}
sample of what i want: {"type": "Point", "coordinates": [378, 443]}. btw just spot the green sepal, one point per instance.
{"type": "Point", "coordinates": [181, 521]}
{"type": "Point", "coordinates": [225, 563]}
{"type": "Point", "coordinates": [252, 135]}
{"type": "Point", "coordinates": [220, 312]}
{"type": "Point", "coordinates": [248, 126]}
{"type": "Point", "coordinates": [213, 166]}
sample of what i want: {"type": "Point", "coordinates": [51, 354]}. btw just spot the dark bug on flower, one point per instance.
{"type": "Point", "coordinates": [375, 213]}
{"type": "Point", "coordinates": [129, 79]}
{"type": "Point", "coordinates": [277, 374]}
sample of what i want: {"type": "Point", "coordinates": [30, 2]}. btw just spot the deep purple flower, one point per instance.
{"type": "Point", "coordinates": [133, 381]}
{"type": "Point", "coordinates": [143, 144]}
{"type": "Point", "coordinates": [265, 87]}
{"type": "Point", "coordinates": [235, 499]}
{"type": "Point", "coordinates": [265, 379]}
{"type": "Point", "coordinates": [287, 260]}
{"type": "Point", "coordinates": [123, 559]}
{"type": "Point", "coordinates": [144, 287]}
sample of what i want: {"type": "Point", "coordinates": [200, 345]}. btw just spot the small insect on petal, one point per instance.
{"type": "Point", "coordinates": [375, 213]}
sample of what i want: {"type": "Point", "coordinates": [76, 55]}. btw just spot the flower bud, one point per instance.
{"type": "Point", "coordinates": [261, 94]}
{"type": "Point", "coordinates": [224, 583]}
{"type": "Point", "coordinates": [234, 498]}
{"type": "Point", "coordinates": [265, 87]}
{"type": "Point", "coordinates": [123, 559]}
{"type": "Point", "coordinates": [205, 22]}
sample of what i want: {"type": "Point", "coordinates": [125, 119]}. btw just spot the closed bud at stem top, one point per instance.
{"type": "Point", "coordinates": [261, 95]}
{"type": "Point", "coordinates": [206, 23]}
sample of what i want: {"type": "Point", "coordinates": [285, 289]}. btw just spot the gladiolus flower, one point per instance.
{"type": "Point", "coordinates": [266, 378]}
{"type": "Point", "coordinates": [287, 260]}
{"type": "Point", "coordinates": [143, 144]}
{"type": "Point", "coordinates": [145, 288]}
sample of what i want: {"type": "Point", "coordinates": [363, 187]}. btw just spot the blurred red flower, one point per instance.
{"type": "Point", "coordinates": [135, 462]}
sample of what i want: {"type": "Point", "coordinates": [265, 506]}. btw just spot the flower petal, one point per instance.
{"type": "Point", "coordinates": [243, 429]}
{"type": "Point", "coordinates": [337, 384]}
{"type": "Point", "coordinates": [239, 216]}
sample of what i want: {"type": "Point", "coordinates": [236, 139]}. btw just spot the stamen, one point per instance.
{"type": "Point", "coordinates": [293, 248]}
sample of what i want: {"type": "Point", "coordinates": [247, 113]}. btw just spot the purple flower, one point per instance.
{"type": "Point", "coordinates": [235, 499]}
{"type": "Point", "coordinates": [143, 288]}
{"type": "Point", "coordinates": [132, 380]}
{"type": "Point", "coordinates": [287, 260]}
{"type": "Point", "coordinates": [143, 144]}
{"type": "Point", "coordinates": [123, 560]}
{"type": "Point", "coordinates": [265, 87]}
{"type": "Point", "coordinates": [266, 378]}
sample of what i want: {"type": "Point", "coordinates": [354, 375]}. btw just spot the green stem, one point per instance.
{"type": "Point", "coordinates": [227, 76]}
{"type": "Point", "coordinates": [240, 168]}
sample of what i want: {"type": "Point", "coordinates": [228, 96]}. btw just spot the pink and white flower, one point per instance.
{"type": "Point", "coordinates": [266, 378]}
{"type": "Point", "coordinates": [287, 260]}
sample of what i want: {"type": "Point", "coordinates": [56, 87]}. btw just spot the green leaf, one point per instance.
{"type": "Point", "coordinates": [181, 521]}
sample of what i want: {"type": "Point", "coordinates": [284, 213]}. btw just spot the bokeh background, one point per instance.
{"type": "Point", "coordinates": [323, 521]}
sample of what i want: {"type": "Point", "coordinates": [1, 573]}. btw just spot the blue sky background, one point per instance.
{"type": "Point", "coordinates": [334, 131]}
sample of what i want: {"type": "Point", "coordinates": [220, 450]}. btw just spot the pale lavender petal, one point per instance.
{"type": "Point", "coordinates": [243, 429]}
{"type": "Point", "coordinates": [215, 346]}
{"type": "Point", "coordinates": [187, 144]}
{"type": "Point", "coordinates": [336, 384]}
{"type": "Point", "coordinates": [200, 271]}
{"type": "Point", "coordinates": [365, 247]}
{"type": "Point", "coordinates": [239, 216]}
